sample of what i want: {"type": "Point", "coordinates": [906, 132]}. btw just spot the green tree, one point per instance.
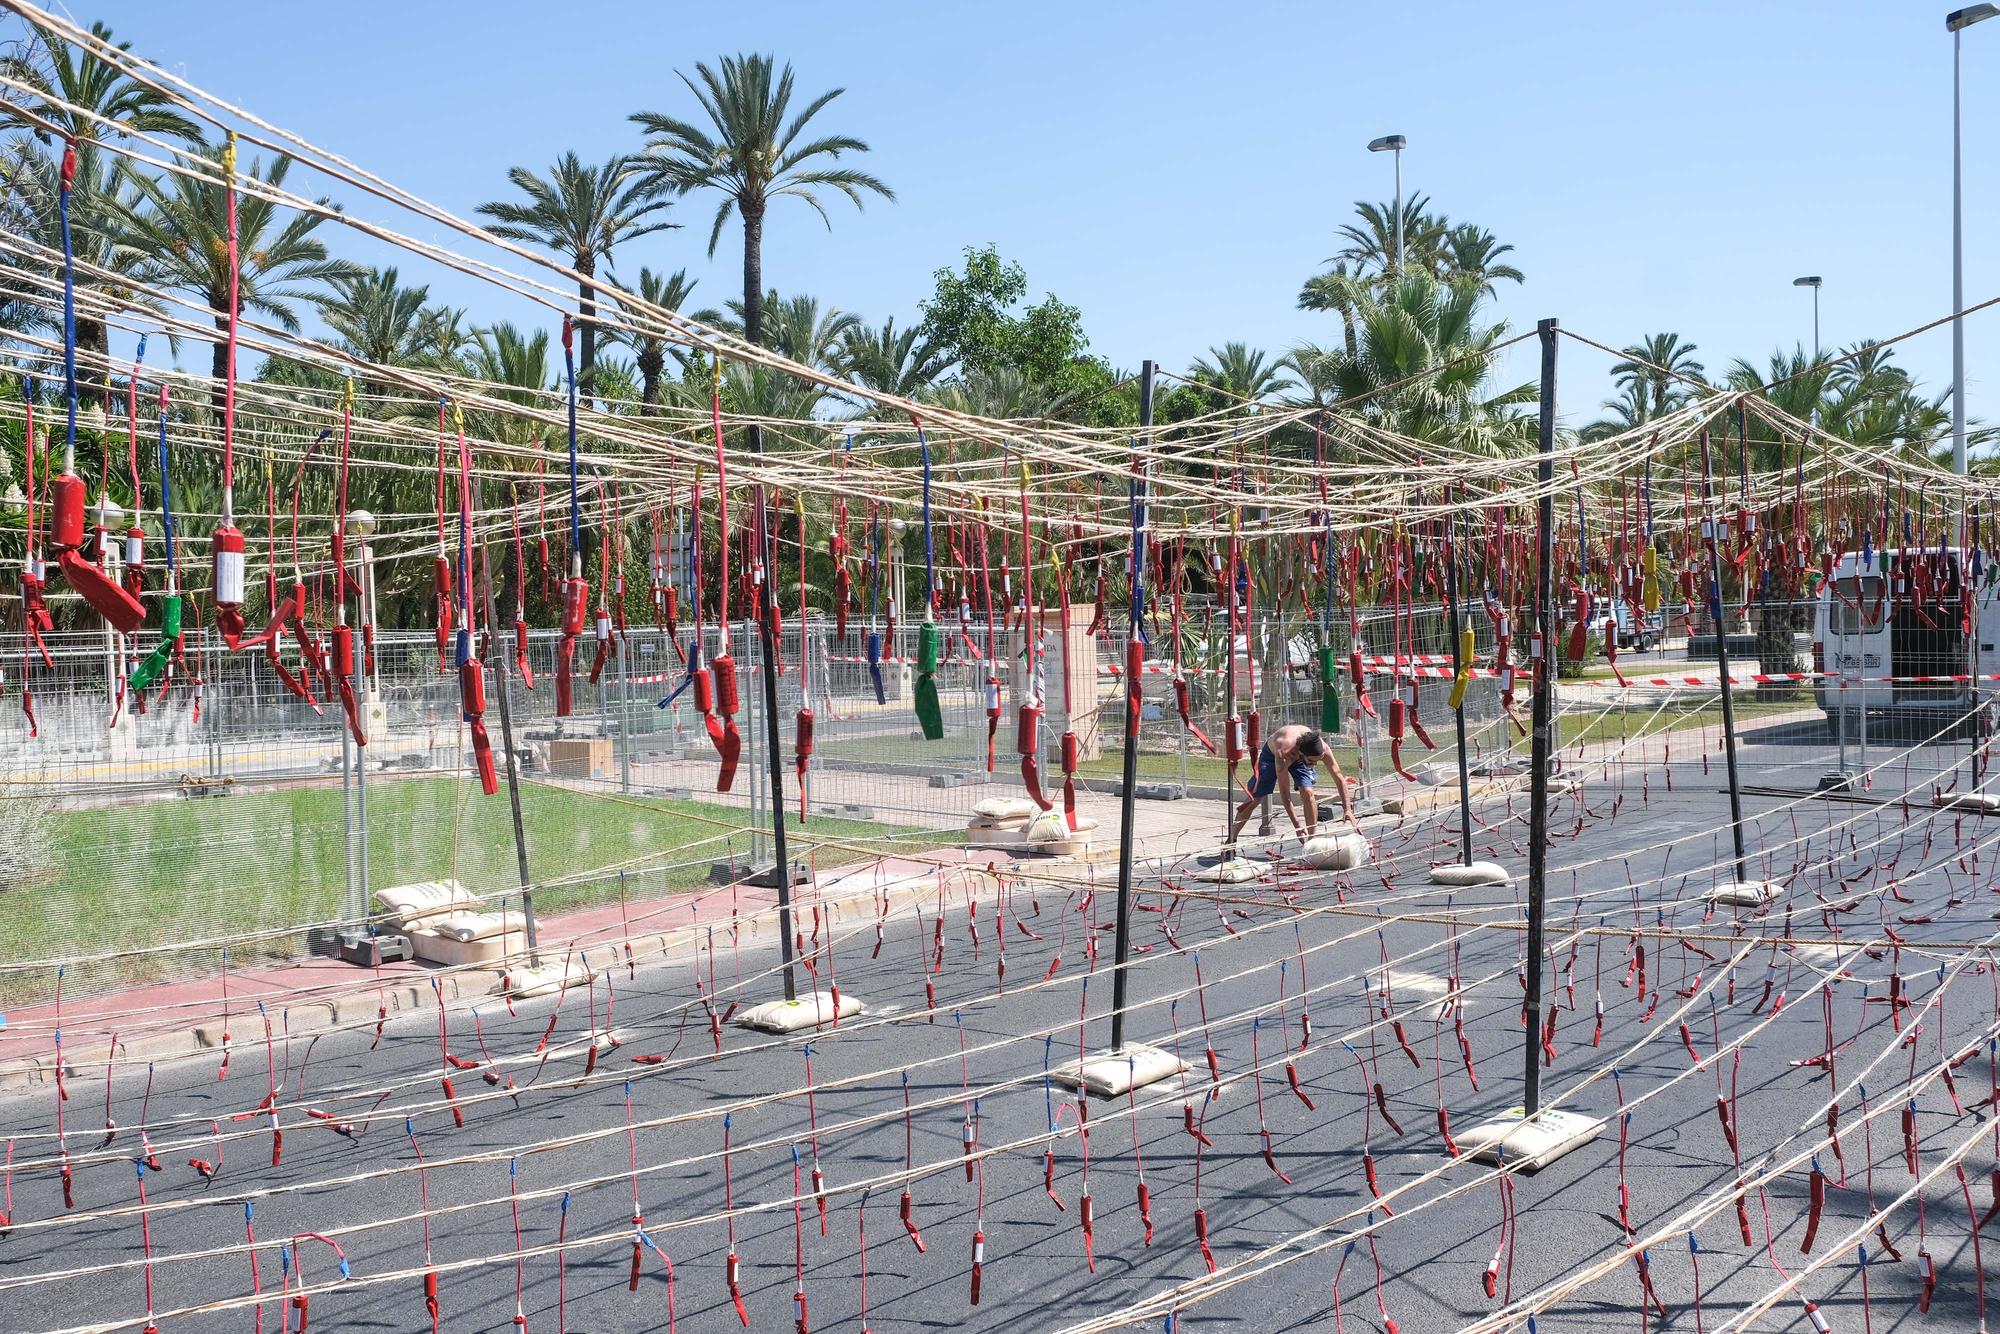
{"type": "Point", "coordinates": [514, 364]}
{"type": "Point", "coordinates": [751, 154]}
{"type": "Point", "coordinates": [111, 276]}
{"type": "Point", "coordinates": [1461, 254]}
{"type": "Point", "coordinates": [1371, 243]}
{"type": "Point", "coordinates": [582, 213]}
{"type": "Point", "coordinates": [1241, 372]}
{"type": "Point", "coordinates": [102, 100]}
{"type": "Point", "coordinates": [182, 222]}
{"type": "Point", "coordinates": [377, 318]}
{"type": "Point", "coordinates": [644, 336]}
{"type": "Point", "coordinates": [1421, 366]}
{"type": "Point", "coordinates": [798, 328]}
{"type": "Point", "coordinates": [976, 319]}
{"type": "Point", "coordinates": [902, 363]}
{"type": "Point", "coordinates": [1660, 367]}
{"type": "Point", "coordinates": [441, 338]}
{"type": "Point", "coordinates": [1470, 253]}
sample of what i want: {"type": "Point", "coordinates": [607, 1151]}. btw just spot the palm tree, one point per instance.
{"type": "Point", "coordinates": [518, 362]}
{"type": "Point", "coordinates": [514, 366]}
{"type": "Point", "coordinates": [182, 222]}
{"type": "Point", "coordinates": [582, 213]}
{"type": "Point", "coordinates": [1659, 366]}
{"type": "Point", "coordinates": [440, 339]}
{"type": "Point", "coordinates": [1241, 372]}
{"type": "Point", "coordinates": [1001, 392]}
{"type": "Point", "coordinates": [1338, 290]}
{"type": "Point", "coordinates": [1470, 253]}
{"type": "Point", "coordinates": [102, 100]}
{"type": "Point", "coordinates": [377, 318]}
{"type": "Point", "coordinates": [1627, 412]}
{"type": "Point", "coordinates": [109, 274]}
{"type": "Point", "coordinates": [1371, 244]}
{"type": "Point", "coordinates": [798, 328]}
{"type": "Point", "coordinates": [1420, 366]}
{"type": "Point", "coordinates": [902, 364]}
{"type": "Point", "coordinates": [753, 156]}
{"type": "Point", "coordinates": [1863, 399]}
{"type": "Point", "coordinates": [649, 342]}
{"type": "Point", "coordinates": [760, 391]}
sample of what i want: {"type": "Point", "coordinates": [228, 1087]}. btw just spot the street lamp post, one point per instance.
{"type": "Point", "coordinates": [1812, 281]}
{"type": "Point", "coordinates": [1956, 23]}
{"type": "Point", "coordinates": [1395, 143]}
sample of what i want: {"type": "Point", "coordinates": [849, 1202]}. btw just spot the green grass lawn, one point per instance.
{"type": "Point", "coordinates": [1630, 724]}
{"type": "Point", "coordinates": [178, 869]}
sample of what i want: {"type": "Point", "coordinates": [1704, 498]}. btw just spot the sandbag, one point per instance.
{"type": "Point", "coordinates": [1473, 873]}
{"type": "Point", "coordinates": [1334, 852]}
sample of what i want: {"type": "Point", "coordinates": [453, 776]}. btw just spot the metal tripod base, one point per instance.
{"type": "Point", "coordinates": [812, 1010]}
{"type": "Point", "coordinates": [1528, 1142]}
{"type": "Point", "coordinates": [1114, 1073]}
{"type": "Point", "coordinates": [766, 877]}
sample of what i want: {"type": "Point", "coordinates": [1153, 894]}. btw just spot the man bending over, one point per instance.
{"type": "Point", "coordinates": [1287, 760]}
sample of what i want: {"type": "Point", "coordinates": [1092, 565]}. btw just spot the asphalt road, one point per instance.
{"type": "Point", "coordinates": [83, 1270]}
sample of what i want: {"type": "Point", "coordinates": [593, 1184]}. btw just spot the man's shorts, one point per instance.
{"type": "Point", "coordinates": [1266, 781]}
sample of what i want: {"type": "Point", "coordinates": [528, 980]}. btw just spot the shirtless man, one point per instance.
{"type": "Point", "coordinates": [1287, 760]}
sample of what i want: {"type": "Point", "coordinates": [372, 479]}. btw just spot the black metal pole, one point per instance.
{"type": "Point", "coordinates": [768, 666]}
{"type": "Point", "coordinates": [1458, 666]}
{"type": "Point", "coordinates": [1122, 946]}
{"type": "Point", "coordinates": [498, 656]}
{"type": "Point", "coordinates": [1544, 722]}
{"type": "Point", "coordinates": [1717, 613]}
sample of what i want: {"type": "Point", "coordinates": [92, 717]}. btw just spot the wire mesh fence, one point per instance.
{"type": "Point", "coordinates": [227, 803]}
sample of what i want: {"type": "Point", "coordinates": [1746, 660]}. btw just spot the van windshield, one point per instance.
{"type": "Point", "coordinates": [1855, 607]}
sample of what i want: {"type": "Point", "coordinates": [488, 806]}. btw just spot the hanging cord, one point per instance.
{"type": "Point", "coordinates": [575, 589]}
{"type": "Point", "coordinates": [722, 667]}
{"type": "Point", "coordinates": [930, 714]}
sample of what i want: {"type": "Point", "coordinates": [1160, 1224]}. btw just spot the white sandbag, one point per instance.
{"type": "Point", "coordinates": [1048, 827]}
{"type": "Point", "coordinates": [1234, 871]}
{"type": "Point", "coordinates": [1334, 852]}
{"type": "Point", "coordinates": [469, 926]}
{"type": "Point", "coordinates": [1472, 873]}
{"type": "Point", "coordinates": [812, 1010]}
{"type": "Point", "coordinates": [1004, 808]}
{"type": "Point", "coordinates": [414, 906]}
{"type": "Point", "coordinates": [1745, 893]}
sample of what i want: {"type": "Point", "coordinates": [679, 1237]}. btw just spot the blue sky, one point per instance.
{"type": "Point", "coordinates": [1176, 170]}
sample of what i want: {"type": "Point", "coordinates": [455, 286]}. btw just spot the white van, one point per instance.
{"type": "Point", "coordinates": [1901, 616]}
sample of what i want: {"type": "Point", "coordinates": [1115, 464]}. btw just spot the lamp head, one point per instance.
{"type": "Point", "coordinates": [1396, 142]}
{"type": "Point", "coordinates": [1811, 281]}
{"type": "Point", "coordinates": [1961, 19]}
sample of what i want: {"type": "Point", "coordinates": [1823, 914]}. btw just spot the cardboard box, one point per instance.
{"type": "Point", "coordinates": [581, 757]}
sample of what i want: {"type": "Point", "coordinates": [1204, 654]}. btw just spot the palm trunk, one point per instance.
{"type": "Point", "coordinates": [753, 272]}
{"type": "Point", "coordinates": [218, 366]}
{"type": "Point", "coordinates": [93, 352]}
{"type": "Point", "coordinates": [651, 362]}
